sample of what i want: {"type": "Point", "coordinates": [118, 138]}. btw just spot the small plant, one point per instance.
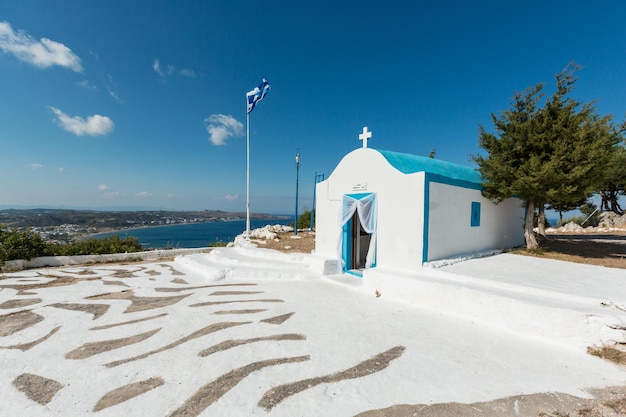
{"type": "Point", "coordinates": [536, 251]}
{"type": "Point", "coordinates": [556, 413]}
{"type": "Point", "coordinates": [608, 353]}
{"type": "Point", "coordinates": [618, 405]}
{"type": "Point", "coordinates": [588, 412]}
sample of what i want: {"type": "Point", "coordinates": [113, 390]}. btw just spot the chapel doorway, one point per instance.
{"type": "Point", "coordinates": [358, 237]}
{"type": "Point", "coordinates": [360, 243]}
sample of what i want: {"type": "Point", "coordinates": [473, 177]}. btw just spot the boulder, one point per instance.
{"type": "Point", "coordinates": [608, 219]}
{"type": "Point", "coordinates": [572, 227]}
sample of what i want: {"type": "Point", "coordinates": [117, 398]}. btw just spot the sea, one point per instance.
{"type": "Point", "coordinates": [192, 235]}
{"type": "Point", "coordinates": [198, 235]}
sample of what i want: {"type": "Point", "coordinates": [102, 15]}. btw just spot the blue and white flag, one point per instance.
{"type": "Point", "coordinates": [257, 94]}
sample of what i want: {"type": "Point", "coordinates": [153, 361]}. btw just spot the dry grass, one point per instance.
{"type": "Point", "coordinates": [304, 242]}
{"type": "Point", "coordinates": [609, 353]}
{"type": "Point", "coordinates": [619, 405]}
{"type": "Point", "coordinates": [601, 249]}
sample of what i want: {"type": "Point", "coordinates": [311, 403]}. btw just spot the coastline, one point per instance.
{"type": "Point", "coordinates": [114, 230]}
{"type": "Point", "coordinates": [186, 235]}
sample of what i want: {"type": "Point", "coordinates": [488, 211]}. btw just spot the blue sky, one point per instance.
{"type": "Point", "coordinates": [141, 104]}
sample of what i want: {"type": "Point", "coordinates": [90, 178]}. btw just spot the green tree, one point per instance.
{"type": "Point", "coordinates": [545, 155]}
{"type": "Point", "coordinates": [512, 165]}
{"type": "Point", "coordinates": [578, 144]}
{"type": "Point", "coordinates": [561, 208]}
{"type": "Point", "coordinates": [614, 181]}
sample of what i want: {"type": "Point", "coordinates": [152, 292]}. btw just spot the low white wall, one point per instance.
{"type": "Point", "coordinates": [54, 261]}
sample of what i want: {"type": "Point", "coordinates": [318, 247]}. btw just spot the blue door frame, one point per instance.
{"type": "Point", "coordinates": [346, 247]}
{"type": "Point", "coordinates": [348, 241]}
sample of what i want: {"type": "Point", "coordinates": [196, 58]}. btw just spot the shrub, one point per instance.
{"type": "Point", "coordinates": [304, 221]}
{"type": "Point", "coordinates": [578, 220]}
{"type": "Point", "coordinates": [93, 246]}
{"type": "Point", "coordinates": [25, 244]}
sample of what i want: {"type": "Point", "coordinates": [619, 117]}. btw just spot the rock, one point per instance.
{"type": "Point", "coordinates": [263, 233]}
{"type": "Point", "coordinates": [608, 219]}
{"type": "Point", "coordinates": [572, 227]}
{"type": "Point", "coordinates": [269, 232]}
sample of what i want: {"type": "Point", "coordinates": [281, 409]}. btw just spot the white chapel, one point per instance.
{"type": "Point", "coordinates": [383, 209]}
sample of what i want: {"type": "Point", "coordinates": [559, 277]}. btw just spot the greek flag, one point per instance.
{"type": "Point", "coordinates": [257, 94]}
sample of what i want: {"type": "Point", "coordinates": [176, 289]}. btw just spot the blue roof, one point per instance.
{"type": "Point", "coordinates": [409, 164]}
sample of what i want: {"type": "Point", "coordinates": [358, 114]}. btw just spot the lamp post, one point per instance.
{"type": "Point", "coordinates": [295, 219]}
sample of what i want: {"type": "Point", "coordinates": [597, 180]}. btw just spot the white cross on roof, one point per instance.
{"type": "Point", "coordinates": [365, 136]}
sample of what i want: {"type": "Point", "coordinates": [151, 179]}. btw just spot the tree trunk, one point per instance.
{"type": "Point", "coordinates": [529, 234]}
{"type": "Point", "coordinates": [541, 220]}
{"type": "Point", "coordinates": [615, 207]}
{"type": "Point", "coordinates": [604, 204]}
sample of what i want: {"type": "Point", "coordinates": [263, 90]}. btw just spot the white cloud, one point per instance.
{"type": "Point", "coordinates": [61, 169]}
{"type": "Point", "coordinates": [163, 73]}
{"type": "Point", "coordinates": [110, 85]}
{"type": "Point", "coordinates": [113, 94]}
{"type": "Point", "coordinates": [41, 53]}
{"type": "Point", "coordinates": [188, 73]}
{"type": "Point", "coordinates": [222, 127]}
{"type": "Point", "coordinates": [35, 166]}
{"type": "Point", "coordinates": [231, 197]}
{"type": "Point", "coordinates": [156, 66]}
{"type": "Point", "coordinates": [87, 85]}
{"type": "Point", "coordinates": [103, 187]}
{"type": "Point", "coordinates": [92, 126]}
{"type": "Point", "coordinates": [143, 194]}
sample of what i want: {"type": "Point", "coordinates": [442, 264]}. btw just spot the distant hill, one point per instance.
{"type": "Point", "coordinates": [102, 220]}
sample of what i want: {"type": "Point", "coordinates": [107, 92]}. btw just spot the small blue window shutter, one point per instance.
{"type": "Point", "coordinates": [475, 220]}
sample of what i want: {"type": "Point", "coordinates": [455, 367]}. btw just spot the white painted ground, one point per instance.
{"type": "Point", "coordinates": [474, 331]}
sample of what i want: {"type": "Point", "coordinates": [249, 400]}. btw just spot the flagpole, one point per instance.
{"type": "Point", "coordinates": [252, 98]}
{"type": "Point", "coordinates": [248, 176]}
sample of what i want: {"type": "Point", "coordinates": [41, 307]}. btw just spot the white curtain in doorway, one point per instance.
{"type": "Point", "coordinates": [365, 206]}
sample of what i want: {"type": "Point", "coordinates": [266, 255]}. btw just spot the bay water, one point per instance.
{"type": "Point", "coordinates": [192, 235]}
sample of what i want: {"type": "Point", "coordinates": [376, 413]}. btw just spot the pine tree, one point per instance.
{"type": "Point", "coordinates": [552, 155]}
{"type": "Point", "coordinates": [514, 158]}
{"type": "Point", "coordinates": [614, 181]}
{"type": "Point", "coordinates": [582, 142]}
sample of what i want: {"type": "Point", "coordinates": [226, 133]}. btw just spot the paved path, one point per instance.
{"type": "Point", "coordinates": [241, 333]}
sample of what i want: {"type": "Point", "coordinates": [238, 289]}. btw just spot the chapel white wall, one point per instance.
{"type": "Point", "coordinates": [326, 222]}
{"type": "Point", "coordinates": [450, 233]}
{"type": "Point", "coordinates": [400, 208]}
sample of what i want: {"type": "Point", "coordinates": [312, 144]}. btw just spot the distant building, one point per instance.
{"type": "Point", "coordinates": [382, 209]}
